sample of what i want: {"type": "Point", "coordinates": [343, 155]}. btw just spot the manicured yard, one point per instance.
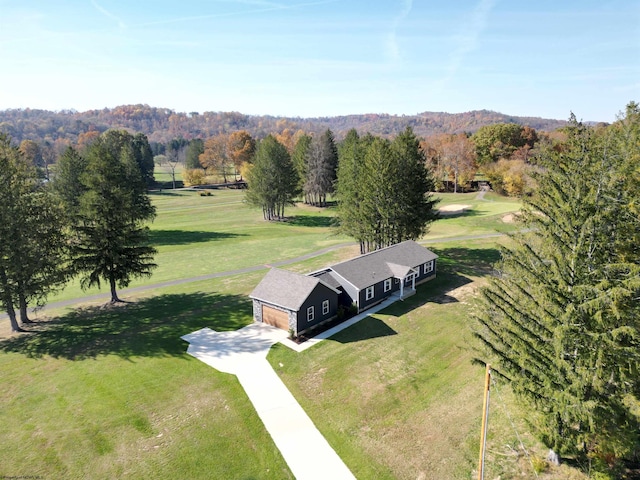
{"type": "Point", "coordinates": [198, 235]}
{"type": "Point", "coordinates": [111, 392]}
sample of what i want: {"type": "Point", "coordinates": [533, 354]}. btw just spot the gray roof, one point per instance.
{"type": "Point", "coordinates": [394, 261]}
{"type": "Point", "coordinates": [286, 289]}
{"type": "Point", "coordinates": [329, 279]}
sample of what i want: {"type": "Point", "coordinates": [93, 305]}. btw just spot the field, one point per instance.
{"type": "Point", "coordinates": [109, 392]}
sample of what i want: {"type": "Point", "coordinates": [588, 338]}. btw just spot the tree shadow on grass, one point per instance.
{"type": "Point", "coordinates": [185, 237]}
{"type": "Point", "coordinates": [477, 262]}
{"type": "Point", "coordinates": [150, 327]}
{"type": "Point", "coordinates": [366, 329]}
{"type": "Point", "coordinates": [311, 221]}
{"type": "Point", "coordinates": [165, 192]}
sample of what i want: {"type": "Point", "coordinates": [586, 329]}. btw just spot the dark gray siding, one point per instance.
{"type": "Point", "coordinates": [315, 299]}
{"type": "Point", "coordinates": [378, 294]}
{"type": "Point", "coordinates": [423, 276]}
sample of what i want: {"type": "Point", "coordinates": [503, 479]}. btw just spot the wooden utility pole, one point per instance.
{"type": "Point", "coordinates": [485, 418]}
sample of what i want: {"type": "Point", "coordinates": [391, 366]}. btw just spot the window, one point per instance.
{"type": "Point", "coordinates": [325, 307]}
{"type": "Point", "coordinates": [387, 285]}
{"type": "Point", "coordinates": [310, 314]}
{"type": "Point", "coordinates": [428, 267]}
{"type": "Point", "coordinates": [369, 293]}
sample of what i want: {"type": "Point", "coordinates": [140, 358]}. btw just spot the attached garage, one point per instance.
{"type": "Point", "coordinates": [293, 302]}
{"type": "Point", "coordinates": [274, 317]}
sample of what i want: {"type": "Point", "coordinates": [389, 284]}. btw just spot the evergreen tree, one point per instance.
{"type": "Point", "coordinates": [67, 184]}
{"type": "Point", "coordinates": [348, 191]}
{"type": "Point", "coordinates": [32, 241]}
{"type": "Point", "coordinates": [561, 318]}
{"type": "Point", "coordinates": [413, 186]}
{"type": "Point", "coordinates": [111, 241]}
{"type": "Point", "coordinates": [42, 251]}
{"type": "Point", "coordinates": [383, 190]}
{"type": "Point", "coordinates": [144, 158]}
{"type": "Point", "coordinates": [194, 150]}
{"type": "Point", "coordinates": [300, 158]}
{"type": "Point", "coordinates": [272, 180]}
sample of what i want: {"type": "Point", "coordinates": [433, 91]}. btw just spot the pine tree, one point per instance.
{"type": "Point", "coordinates": [384, 190]}
{"type": "Point", "coordinates": [194, 150]}
{"type": "Point", "coordinates": [348, 191]}
{"type": "Point", "coordinates": [413, 187]}
{"type": "Point", "coordinates": [111, 242]}
{"type": "Point", "coordinates": [300, 159]}
{"type": "Point", "coordinates": [272, 180]}
{"type": "Point", "coordinates": [561, 318]}
{"type": "Point", "coordinates": [32, 241]}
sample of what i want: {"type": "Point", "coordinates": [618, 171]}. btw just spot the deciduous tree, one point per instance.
{"type": "Point", "coordinates": [321, 169]}
{"type": "Point", "coordinates": [215, 155]}
{"type": "Point", "coordinates": [241, 148]}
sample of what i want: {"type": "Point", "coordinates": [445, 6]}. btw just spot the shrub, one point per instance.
{"type": "Point", "coordinates": [193, 177]}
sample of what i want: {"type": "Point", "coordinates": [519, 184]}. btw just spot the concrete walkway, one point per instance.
{"type": "Point", "coordinates": [243, 353]}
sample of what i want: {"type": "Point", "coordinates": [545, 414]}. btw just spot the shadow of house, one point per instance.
{"type": "Point", "coordinates": [367, 329]}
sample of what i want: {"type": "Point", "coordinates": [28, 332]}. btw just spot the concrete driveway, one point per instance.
{"type": "Point", "coordinates": [243, 353]}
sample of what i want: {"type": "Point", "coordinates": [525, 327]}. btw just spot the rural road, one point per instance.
{"type": "Point", "coordinates": [228, 273]}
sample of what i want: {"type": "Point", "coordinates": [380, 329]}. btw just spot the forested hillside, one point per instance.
{"type": "Point", "coordinates": [162, 125]}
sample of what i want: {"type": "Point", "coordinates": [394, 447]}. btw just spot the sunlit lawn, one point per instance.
{"type": "Point", "coordinates": [111, 393]}
{"type": "Point", "coordinates": [198, 235]}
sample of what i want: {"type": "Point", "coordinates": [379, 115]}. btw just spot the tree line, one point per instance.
{"type": "Point", "coordinates": [161, 125]}
{"type": "Point", "coordinates": [88, 222]}
{"type": "Point", "coordinates": [383, 188]}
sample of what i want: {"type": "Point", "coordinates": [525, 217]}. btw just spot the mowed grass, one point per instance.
{"type": "Point", "coordinates": [397, 394]}
{"type": "Point", "coordinates": [200, 235]}
{"type": "Point", "coordinates": [485, 217]}
{"type": "Point", "coordinates": [111, 392]}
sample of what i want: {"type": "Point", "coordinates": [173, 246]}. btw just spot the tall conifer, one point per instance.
{"type": "Point", "coordinates": [561, 319]}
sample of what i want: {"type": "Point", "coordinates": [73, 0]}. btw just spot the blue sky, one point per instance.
{"type": "Point", "coordinates": [321, 58]}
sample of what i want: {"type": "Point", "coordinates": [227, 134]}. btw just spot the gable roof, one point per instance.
{"type": "Point", "coordinates": [394, 261]}
{"type": "Point", "coordinates": [286, 289]}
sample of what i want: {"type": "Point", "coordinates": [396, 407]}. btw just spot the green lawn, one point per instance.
{"type": "Point", "coordinates": [199, 235]}
{"type": "Point", "coordinates": [109, 392]}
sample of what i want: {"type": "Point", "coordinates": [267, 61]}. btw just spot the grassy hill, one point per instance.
{"type": "Point", "coordinates": [109, 392]}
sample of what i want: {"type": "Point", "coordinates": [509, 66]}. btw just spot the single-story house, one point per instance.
{"type": "Point", "coordinates": [371, 278]}
{"type": "Point", "coordinates": [297, 302]}
{"type": "Point", "coordinates": [292, 301]}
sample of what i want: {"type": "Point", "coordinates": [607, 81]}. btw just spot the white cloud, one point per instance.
{"type": "Point", "coordinates": [108, 14]}
{"type": "Point", "coordinates": [393, 50]}
{"type": "Point", "coordinates": [469, 38]}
